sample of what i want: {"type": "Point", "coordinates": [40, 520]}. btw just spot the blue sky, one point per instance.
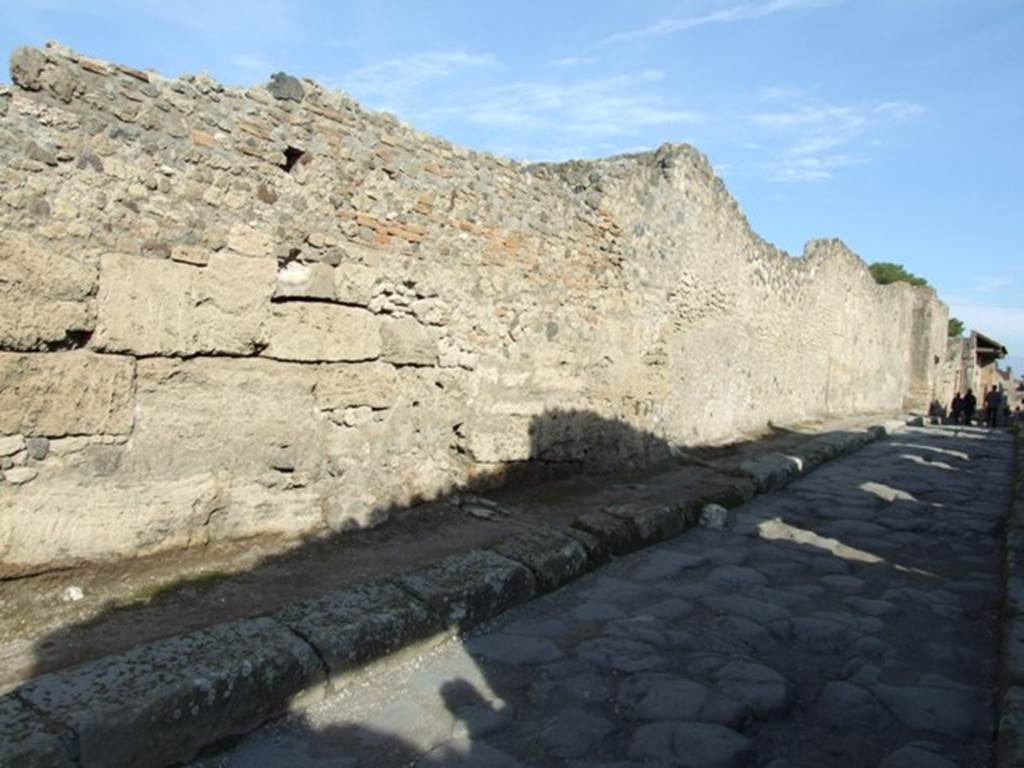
{"type": "Point", "coordinates": [897, 125]}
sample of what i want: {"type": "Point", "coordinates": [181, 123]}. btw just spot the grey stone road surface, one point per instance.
{"type": "Point", "coordinates": [849, 620]}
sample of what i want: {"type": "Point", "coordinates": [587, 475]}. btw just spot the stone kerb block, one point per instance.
{"type": "Point", "coordinates": [175, 696]}
{"type": "Point", "coordinates": [28, 741]}
{"type": "Point", "coordinates": [66, 393]}
{"type": "Point", "coordinates": [653, 522]}
{"type": "Point", "coordinates": [354, 626]}
{"type": "Point", "coordinates": [469, 588]}
{"type": "Point", "coordinates": [617, 534]}
{"type": "Point", "coordinates": [772, 471]}
{"type": "Point", "coordinates": [554, 558]}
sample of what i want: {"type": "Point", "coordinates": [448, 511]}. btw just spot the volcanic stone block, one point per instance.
{"type": "Point", "coordinates": [772, 471]}
{"type": "Point", "coordinates": [27, 740]}
{"type": "Point", "coordinates": [468, 588]}
{"type": "Point", "coordinates": [66, 393]}
{"type": "Point", "coordinates": [554, 558]}
{"type": "Point", "coordinates": [353, 626]}
{"type": "Point", "coordinates": [172, 697]}
{"type": "Point", "coordinates": [653, 522]}
{"type": "Point", "coordinates": [618, 534]}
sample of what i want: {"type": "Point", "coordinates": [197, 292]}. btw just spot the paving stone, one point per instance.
{"type": "Point", "coordinates": [467, 753]}
{"type": "Point", "coordinates": [844, 705]}
{"type": "Point", "coordinates": [917, 756]}
{"type": "Point", "coordinates": [736, 576]}
{"type": "Point", "coordinates": [870, 607]}
{"type": "Point", "coordinates": [512, 649]}
{"type": "Point", "coordinates": [668, 697]}
{"type": "Point", "coordinates": [665, 564]}
{"type": "Point", "coordinates": [822, 635]}
{"type": "Point", "coordinates": [747, 607]}
{"type": "Point", "coordinates": [593, 610]}
{"type": "Point", "coordinates": [573, 732]}
{"type": "Point", "coordinates": [767, 692]}
{"type": "Point", "coordinates": [843, 583]}
{"type": "Point", "coordinates": [939, 710]}
{"type": "Point", "coordinates": [622, 654]}
{"type": "Point", "coordinates": [691, 745]}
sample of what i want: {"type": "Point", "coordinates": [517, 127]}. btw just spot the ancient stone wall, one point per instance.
{"type": "Point", "coordinates": [235, 312]}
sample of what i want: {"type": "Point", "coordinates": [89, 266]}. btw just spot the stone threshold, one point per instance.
{"type": "Point", "coordinates": [164, 702]}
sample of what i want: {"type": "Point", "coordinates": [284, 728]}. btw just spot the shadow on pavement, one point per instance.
{"type": "Point", "coordinates": [885, 565]}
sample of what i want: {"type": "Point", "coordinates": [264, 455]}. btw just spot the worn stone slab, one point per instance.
{"type": "Point", "coordinates": [351, 627]}
{"type": "Point", "coordinates": [772, 471]}
{"type": "Point", "coordinates": [468, 588]}
{"type": "Point", "coordinates": [653, 522]}
{"type": "Point", "coordinates": [66, 393]}
{"type": "Point", "coordinates": [1013, 649]}
{"type": "Point", "coordinates": [172, 697]}
{"type": "Point", "coordinates": [618, 534]}
{"type": "Point", "coordinates": [27, 741]}
{"type": "Point", "coordinates": [553, 557]}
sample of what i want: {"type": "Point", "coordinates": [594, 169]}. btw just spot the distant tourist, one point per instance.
{"type": "Point", "coordinates": [970, 403]}
{"type": "Point", "coordinates": [956, 409]}
{"type": "Point", "coordinates": [993, 404]}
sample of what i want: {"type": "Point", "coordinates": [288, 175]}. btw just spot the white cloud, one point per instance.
{"type": "Point", "coordinates": [743, 12]}
{"type": "Point", "coordinates": [817, 137]}
{"type": "Point", "coordinates": [575, 61]}
{"type": "Point", "coordinates": [393, 79]}
{"type": "Point", "coordinates": [604, 106]}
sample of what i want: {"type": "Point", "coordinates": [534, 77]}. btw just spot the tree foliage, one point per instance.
{"type": "Point", "coordinates": [956, 326]}
{"type": "Point", "coordinates": [886, 272]}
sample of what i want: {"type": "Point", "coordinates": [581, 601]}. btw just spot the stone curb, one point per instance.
{"type": "Point", "coordinates": [176, 696]}
{"type": "Point", "coordinates": [1010, 724]}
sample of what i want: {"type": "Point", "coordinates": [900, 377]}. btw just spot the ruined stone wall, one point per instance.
{"type": "Point", "coordinates": [235, 312]}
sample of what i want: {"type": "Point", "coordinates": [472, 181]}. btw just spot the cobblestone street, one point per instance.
{"type": "Point", "coordinates": [848, 620]}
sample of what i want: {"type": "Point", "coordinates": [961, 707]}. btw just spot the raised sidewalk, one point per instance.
{"type": "Point", "coordinates": [161, 702]}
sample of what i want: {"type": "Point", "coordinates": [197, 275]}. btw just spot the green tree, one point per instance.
{"type": "Point", "coordinates": [956, 326]}
{"type": "Point", "coordinates": [886, 272]}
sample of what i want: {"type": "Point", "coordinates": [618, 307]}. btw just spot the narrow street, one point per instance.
{"type": "Point", "coordinates": [849, 620]}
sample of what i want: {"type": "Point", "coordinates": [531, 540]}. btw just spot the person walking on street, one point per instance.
{"type": "Point", "coordinates": [992, 404]}
{"type": "Point", "coordinates": [970, 403]}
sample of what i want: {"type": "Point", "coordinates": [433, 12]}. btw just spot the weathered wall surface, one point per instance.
{"type": "Point", "coordinates": [226, 313]}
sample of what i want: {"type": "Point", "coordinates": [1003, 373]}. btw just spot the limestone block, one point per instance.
{"type": "Point", "coordinates": [44, 294]}
{"type": "Point", "coordinates": [149, 307]}
{"type": "Point", "coordinates": [68, 519]}
{"type": "Point", "coordinates": [306, 281]}
{"type": "Point", "coordinates": [405, 342]}
{"type": "Point", "coordinates": [65, 393]}
{"type": "Point", "coordinates": [317, 331]}
{"type": "Point", "coordinates": [360, 384]}
{"type": "Point", "coordinates": [221, 414]}
{"type": "Point", "coordinates": [249, 241]}
{"type": "Point", "coordinates": [497, 438]}
{"type": "Point", "coordinates": [354, 283]}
